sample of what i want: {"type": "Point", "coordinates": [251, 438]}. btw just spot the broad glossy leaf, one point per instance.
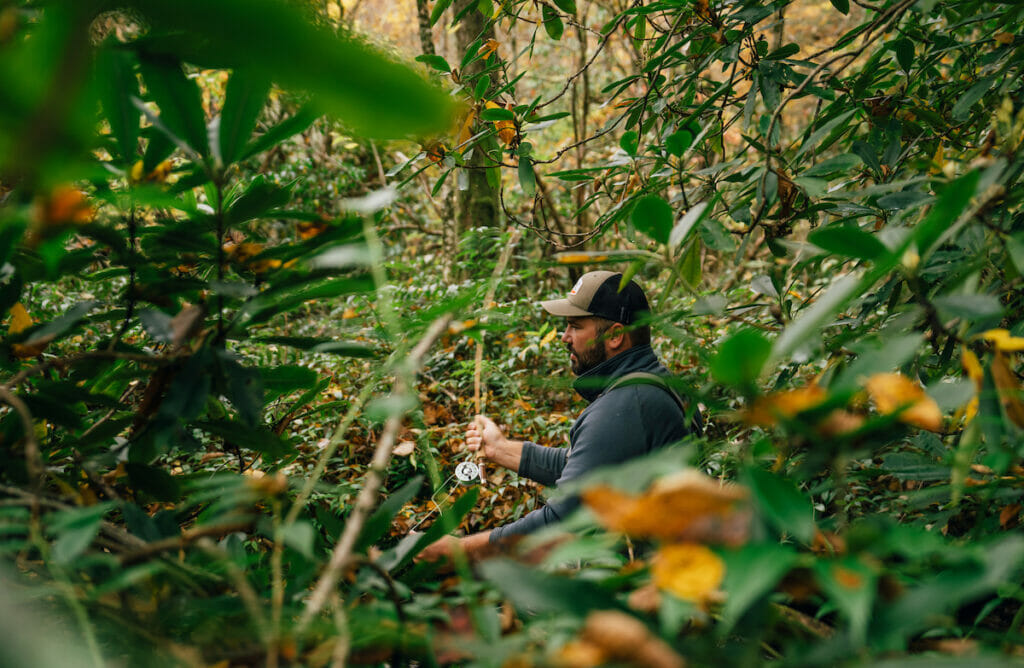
{"type": "Point", "coordinates": [539, 593]}
{"type": "Point", "coordinates": [848, 241]}
{"type": "Point", "coordinates": [784, 505]}
{"type": "Point", "coordinates": [527, 179]}
{"type": "Point", "coordinates": [292, 125]}
{"type": "Point", "coordinates": [839, 163]}
{"type": "Point", "coordinates": [653, 216]}
{"type": "Point", "coordinates": [850, 585]}
{"type": "Point", "coordinates": [751, 572]}
{"type": "Point", "coordinates": [178, 99]}
{"type": "Point", "coordinates": [971, 308]}
{"type": "Point", "coordinates": [379, 522]}
{"type": "Point", "coordinates": [259, 198]}
{"type": "Point", "coordinates": [243, 101]}
{"type": "Point", "coordinates": [741, 358]}
{"type": "Point", "coordinates": [372, 93]}
{"type": "Point", "coordinates": [552, 22]}
{"type": "Point", "coordinates": [115, 75]}
{"type": "Point", "coordinates": [962, 108]}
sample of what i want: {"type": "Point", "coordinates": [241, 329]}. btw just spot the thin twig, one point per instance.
{"type": "Point", "coordinates": [366, 501]}
{"type": "Point", "coordinates": [478, 360]}
{"type": "Point", "coordinates": [33, 457]}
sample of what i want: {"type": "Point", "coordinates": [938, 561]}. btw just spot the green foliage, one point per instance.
{"type": "Point", "coordinates": [831, 235]}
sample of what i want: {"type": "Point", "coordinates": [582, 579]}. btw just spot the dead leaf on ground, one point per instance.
{"type": "Point", "coordinates": [686, 506]}
{"type": "Point", "coordinates": [624, 638]}
{"type": "Point", "coordinates": [404, 449]}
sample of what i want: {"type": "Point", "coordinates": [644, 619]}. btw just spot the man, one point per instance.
{"type": "Point", "coordinates": [607, 338]}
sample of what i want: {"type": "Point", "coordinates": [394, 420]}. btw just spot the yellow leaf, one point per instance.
{"type": "Point", "coordinates": [579, 258]}
{"type": "Point", "coordinates": [894, 392]}
{"type": "Point", "coordinates": [549, 337]}
{"type": "Point", "coordinates": [466, 130]}
{"type": "Point", "coordinates": [1004, 38]}
{"type": "Point", "coordinates": [135, 175]}
{"type": "Point", "coordinates": [20, 319]}
{"type": "Point", "coordinates": [65, 205]}
{"type": "Point", "coordinates": [1003, 341]}
{"type": "Point", "coordinates": [767, 410]}
{"type": "Point", "coordinates": [690, 571]}
{"type": "Point", "coordinates": [349, 313]}
{"type": "Point", "coordinates": [972, 367]}
{"type": "Point", "coordinates": [506, 129]}
{"type": "Point", "coordinates": [684, 506]}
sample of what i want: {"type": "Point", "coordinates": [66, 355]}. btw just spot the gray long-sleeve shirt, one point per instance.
{"type": "Point", "coordinates": [627, 422]}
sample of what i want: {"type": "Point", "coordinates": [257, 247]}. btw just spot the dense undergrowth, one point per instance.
{"type": "Point", "coordinates": [242, 338]}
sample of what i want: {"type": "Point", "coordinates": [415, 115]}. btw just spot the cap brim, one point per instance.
{"type": "Point", "coordinates": [564, 307]}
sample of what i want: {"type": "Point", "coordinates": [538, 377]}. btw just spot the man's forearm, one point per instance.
{"type": "Point", "coordinates": [507, 453]}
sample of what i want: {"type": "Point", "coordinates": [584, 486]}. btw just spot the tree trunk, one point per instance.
{"type": "Point", "coordinates": [478, 201]}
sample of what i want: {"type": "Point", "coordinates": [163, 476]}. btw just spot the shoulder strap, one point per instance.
{"type": "Point", "coordinates": [648, 378]}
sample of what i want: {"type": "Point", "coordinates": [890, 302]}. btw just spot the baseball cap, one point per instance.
{"type": "Point", "coordinates": [597, 294]}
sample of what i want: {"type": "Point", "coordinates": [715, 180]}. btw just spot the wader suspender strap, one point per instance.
{"type": "Point", "coordinates": [646, 378]}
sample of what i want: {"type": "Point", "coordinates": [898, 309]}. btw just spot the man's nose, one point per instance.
{"type": "Point", "coordinates": [565, 336]}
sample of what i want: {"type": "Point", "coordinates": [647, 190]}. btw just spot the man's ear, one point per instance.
{"type": "Point", "coordinates": [616, 339]}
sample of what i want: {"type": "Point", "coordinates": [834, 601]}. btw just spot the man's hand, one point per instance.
{"type": "Point", "coordinates": [485, 437]}
{"type": "Point", "coordinates": [474, 546]}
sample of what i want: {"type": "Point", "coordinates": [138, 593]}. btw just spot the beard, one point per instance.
{"type": "Point", "coordinates": [587, 359]}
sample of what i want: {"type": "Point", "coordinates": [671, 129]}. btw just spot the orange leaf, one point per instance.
{"type": "Point", "coordinates": [489, 47]}
{"type": "Point", "coordinates": [894, 392]}
{"type": "Point", "coordinates": [1004, 38]}
{"type": "Point", "coordinates": [66, 205]}
{"type": "Point", "coordinates": [685, 506]}
{"type": "Point", "coordinates": [1009, 389]}
{"type": "Point", "coordinates": [20, 319]}
{"type": "Point", "coordinates": [767, 410]}
{"type": "Point", "coordinates": [690, 571]}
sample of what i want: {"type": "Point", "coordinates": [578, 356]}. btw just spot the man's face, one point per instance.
{"type": "Point", "coordinates": [581, 340]}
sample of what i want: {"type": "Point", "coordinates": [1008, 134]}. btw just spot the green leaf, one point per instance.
{"type": "Point", "coordinates": [842, 5]}
{"type": "Point", "coordinates": [692, 217]}
{"type": "Point", "coordinates": [379, 522]}
{"type": "Point", "coordinates": [527, 179]}
{"type": "Point", "coordinates": [824, 131]}
{"type": "Point", "coordinates": [850, 585]}
{"type": "Point", "coordinates": [286, 378]}
{"type": "Point", "coordinates": [653, 216]}
{"type": "Point", "coordinates": [952, 201]}
{"type": "Point", "coordinates": [839, 163]}
{"type": "Point", "coordinates": [567, 6]}
{"type": "Point", "coordinates": [115, 75]}
{"type": "Point", "coordinates": [181, 109]}
{"type": "Point", "coordinates": [154, 481]}
{"type": "Point", "coordinates": [784, 51]}
{"type": "Point", "coordinates": [882, 355]}
{"type": "Point", "coordinates": [552, 22]}
{"type": "Point", "coordinates": [243, 101]}
{"type": "Point", "coordinates": [848, 241]}
{"type": "Point", "coordinates": [497, 114]}
{"type": "Point", "coordinates": [75, 530]}
{"type": "Point", "coordinates": [157, 324]}
{"type": "Point", "coordinates": [530, 589]}
{"type": "Point", "coordinates": [740, 359]}
{"type": "Point", "coordinates": [436, 62]}
{"type": "Point", "coordinates": [299, 536]}
{"type": "Point", "coordinates": [260, 197]}
{"type": "Point", "coordinates": [690, 267]}
{"type": "Point", "coordinates": [292, 125]}
{"type": "Point", "coordinates": [243, 387]}
{"type": "Point", "coordinates": [629, 142]}
{"type": "Point", "coordinates": [904, 49]}
{"type": "Point", "coordinates": [1015, 249]}
{"type": "Point", "coordinates": [679, 142]}
{"type": "Point", "coordinates": [962, 108]}
{"type": "Point", "coordinates": [969, 307]}
{"type": "Point", "coordinates": [344, 76]}
{"type": "Point", "coordinates": [438, 10]}
{"type": "Point", "coordinates": [750, 573]}
{"type": "Point", "coordinates": [816, 316]}
{"type": "Point", "coordinates": [413, 543]}
{"type": "Point", "coordinates": [784, 506]}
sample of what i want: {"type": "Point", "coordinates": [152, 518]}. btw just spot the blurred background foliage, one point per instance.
{"type": "Point", "coordinates": [250, 276]}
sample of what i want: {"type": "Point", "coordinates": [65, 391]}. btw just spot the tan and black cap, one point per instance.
{"type": "Point", "coordinates": [597, 293]}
